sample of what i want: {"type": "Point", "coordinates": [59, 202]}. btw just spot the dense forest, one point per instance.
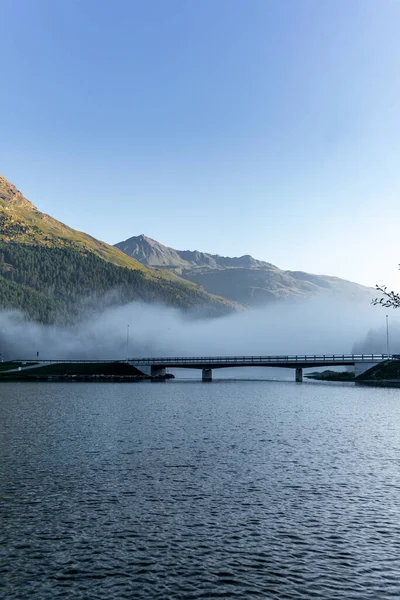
{"type": "Point", "coordinates": [61, 285]}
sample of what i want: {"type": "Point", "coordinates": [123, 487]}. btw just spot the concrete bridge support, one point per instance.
{"type": "Point", "coordinates": [299, 375]}
{"type": "Point", "coordinates": [157, 371]}
{"type": "Point", "coordinates": [207, 375]}
{"type": "Point", "coordinates": [360, 368]}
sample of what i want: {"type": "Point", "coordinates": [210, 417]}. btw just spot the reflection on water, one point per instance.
{"type": "Point", "coordinates": [183, 490]}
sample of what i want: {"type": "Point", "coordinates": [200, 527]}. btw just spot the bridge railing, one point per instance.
{"type": "Point", "coordinates": [281, 358]}
{"type": "Point", "coordinates": [66, 360]}
{"type": "Point", "coordinates": [289, 358]}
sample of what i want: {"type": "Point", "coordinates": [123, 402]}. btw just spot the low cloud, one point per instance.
{"type": "Point", "coordinates": [321, 325]}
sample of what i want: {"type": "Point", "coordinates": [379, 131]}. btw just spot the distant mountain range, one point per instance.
{"type": "Point", "coordinates": [245, 280]}
{"type": "Point", "coordinates": [55, 274]}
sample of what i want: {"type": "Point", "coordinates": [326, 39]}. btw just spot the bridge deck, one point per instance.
{"type": "Point", "coordinates": [291, 361]}
{"type": "Point", "coordinates": [283, 361]}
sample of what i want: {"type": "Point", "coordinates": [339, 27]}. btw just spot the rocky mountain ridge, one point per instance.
{"type": "Point", "coordinates": [244, 279]}
{"type": "Point", "coordinates": [152, 253]}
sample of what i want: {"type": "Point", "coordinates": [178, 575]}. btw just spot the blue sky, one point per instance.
{"type": "Point", "coordinates": [261, 127]}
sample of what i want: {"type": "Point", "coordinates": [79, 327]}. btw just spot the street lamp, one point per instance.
{"type": "Point", "coordinates": [387, 334]}
{"type": "Point", "coordinates": [127, 342]}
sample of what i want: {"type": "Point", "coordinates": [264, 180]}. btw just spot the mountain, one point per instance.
{"type": "Point", "coordinates": [21, 222]}
{"type": "Point", "coordinates": [152, 253]}
{"type": "Point", "coordinates": [243, 279]}
{"type": "Point", "coordinates": [54, 273]}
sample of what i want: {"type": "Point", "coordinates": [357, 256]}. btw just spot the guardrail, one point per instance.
{"type": "Point", "coordinates": [63, 361]}
{"type": "Point", "coordinates": [159, 360]}
{"type": "Point", "coordinates": [289, 358]}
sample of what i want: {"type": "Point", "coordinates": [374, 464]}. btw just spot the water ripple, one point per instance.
{"type": "Point", "coordinates": [188, 491]}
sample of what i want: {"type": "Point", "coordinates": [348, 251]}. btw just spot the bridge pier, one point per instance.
{"type": "Point", "coordinates": [299, 375]}
{"type": "Point", "coordinates": [206, 375]}
{"type": "Point", "coordinates": [157, 371]}
{"type": "Point", "coordinates": [360, 368]}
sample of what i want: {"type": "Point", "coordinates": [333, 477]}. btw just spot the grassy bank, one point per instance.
{"type": "Point", "coordinates": [110, 371]}
{"type": "Point", "coordinates": [386, 373]}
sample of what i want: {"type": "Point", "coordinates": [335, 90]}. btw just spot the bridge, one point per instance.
{"type": "Point", "coordinates": [157, 365]}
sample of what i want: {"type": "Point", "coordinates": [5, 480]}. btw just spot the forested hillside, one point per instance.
{"type": "Point", "coordinates": [56, 274]}
{"type": "Point", "coordinates": [60, 285]}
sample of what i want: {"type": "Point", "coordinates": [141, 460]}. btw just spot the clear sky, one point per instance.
{"type": "Point", "coordinates": [263, 127]}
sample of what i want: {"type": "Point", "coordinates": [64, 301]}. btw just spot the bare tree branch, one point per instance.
{"type": "Point", "coordinates": [388, 299]}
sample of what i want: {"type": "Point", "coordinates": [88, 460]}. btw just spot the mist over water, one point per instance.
{"type": "Point", "coordinates": [321, 325]}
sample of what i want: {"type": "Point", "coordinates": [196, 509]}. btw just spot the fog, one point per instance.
{"type": "Point", "coordinates": [376, 340]}
{"type": "Point", "coordinates": [321, 325]}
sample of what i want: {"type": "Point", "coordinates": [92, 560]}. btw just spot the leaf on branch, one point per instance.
{"type": "Point", "coordinates": [389, 299]}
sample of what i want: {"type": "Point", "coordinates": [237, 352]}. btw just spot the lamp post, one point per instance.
{"type": "Point", "coordinates": [387, 334]}
{"type": "Point", "coordinates": [127, 342]}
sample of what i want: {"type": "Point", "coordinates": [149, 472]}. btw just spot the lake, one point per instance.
{"type": "Point", "coordinates": [184, 490]}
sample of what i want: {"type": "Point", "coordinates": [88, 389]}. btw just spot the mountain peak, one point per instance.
{"type": "Point", "coordinates": [149, 251]}
{"type": "Point", "coordinates": [10, 195]}
{"type": "Point", "coordinates": [144, 238]}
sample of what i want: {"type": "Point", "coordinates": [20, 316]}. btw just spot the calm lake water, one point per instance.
{"type": "Point", "coordinates": [184, 490]}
